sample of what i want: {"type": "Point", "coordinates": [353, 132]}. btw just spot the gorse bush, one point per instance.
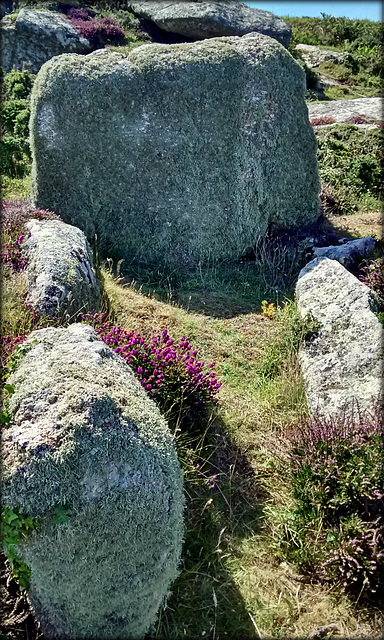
{"type": "Point", "coordinates": [338, 486]}
{"type": "Point", "coordinates": [362, 40]}
{"type": "Point", "coordinates": [14, 123]}
{"type": "Point", "coordinates": [167, 369]}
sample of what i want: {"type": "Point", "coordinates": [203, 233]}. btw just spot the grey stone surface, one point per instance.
{"type": "Point", "coordinates": [6, 6]}
{"type": "Point", "coordinates": [210, 19]}
{"type": "Point", "coordinates": [60, 274]}
{"type": "Point", "coordinates": [204, 145]}
{"type": "Point", "coordinates": [349, 252]}
{"type": "Point", "coordinates": [342, 110]}
{"type": "Point", "coordinates": [86, 438]}
{"type": "Point", "coordinates": [314, 56]}
{"type": "Point", "coordinates": [36, 37]}
{"type": "Point", "coordinates": [343, 363]}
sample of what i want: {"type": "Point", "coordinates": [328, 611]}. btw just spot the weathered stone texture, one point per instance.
{"type": "Point", "coordinates": [60, 274]}
{"type": "Point", "coordinates": [176, 153]}
{"type": "Point", "coordinates": [343, 110]}
{"type": "Point", "coordinates": [85, 435]}
{"type": "Point", "coordinates": [349, 252]}
{"type": "Point", "coordinates": [36, 37]}
{"type": "Point", "coordinates": [343, 363]}
{"type": "Point", "coordinates": [210, 19]}
{"type": "Point", "coordinates": [314, 56]}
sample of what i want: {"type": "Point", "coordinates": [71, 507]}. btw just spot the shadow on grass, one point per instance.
{"type": "Point", "coordinates": [205, 600]}
{"type": "Point", "coordinates": [226, 289]}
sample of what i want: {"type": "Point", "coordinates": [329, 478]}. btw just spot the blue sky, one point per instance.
{"type": "Point", "coordinates": [369, 9]}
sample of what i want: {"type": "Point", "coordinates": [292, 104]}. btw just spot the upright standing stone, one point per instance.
{"type": "Point", "coordinates": [176, 153]}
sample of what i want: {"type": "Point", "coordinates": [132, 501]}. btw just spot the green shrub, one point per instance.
{"type": "Point", "coordinates": [14, 123]}
{"type": "Point", "coordinates": [15, 156]}
{"type": "Point", "coordinates": [350, 166]}
{"type": "Point", "coordinates": [18, 84]}
{"type": "Point", "coordinates": [342, 33]}
{"type": "Point", "coordinates": [338, 487]}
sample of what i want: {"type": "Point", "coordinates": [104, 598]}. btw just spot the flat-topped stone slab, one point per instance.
{"type": "Point", "coordinates": [343, 110]}
{"type": "Point", "coordinates": [314, 56]}
{"type": "Point", "coordinates": [211, 18]}
{"type": "Point", "coordinates": [343, 363]}
{"type": "Point", "coordinates": [349, 252]}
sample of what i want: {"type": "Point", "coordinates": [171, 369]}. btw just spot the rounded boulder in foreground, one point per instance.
{"type": "Point", "coordinates": [87, 441]}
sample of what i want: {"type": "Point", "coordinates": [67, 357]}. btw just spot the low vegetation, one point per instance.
{"type": "Point", "coordinates": [350, 166]}
{"type": "Point", "coordinates": [361, 75]}
{"type": "Point", "coordinates": [14, 120]}
{"type": "Point", "coordinates": [336, 526]}
{"type": "Point", "coordinates": [284, 513]}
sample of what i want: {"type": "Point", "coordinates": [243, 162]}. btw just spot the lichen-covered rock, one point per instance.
{"type": "Point", "coordinates": [60, 274]}
{"type": "Point", "coordinates": [210, 19]}
{"type": "Point", "coordinates": [86, 436]}
{"type": "Point", "coordinates": [36, 37]}
{"type": "Point", "coordinates": [349, 252]}
{"type": "Point", "coordinates": [343, 364]}
{"type": "Point", "coordinates": [176, 153]}
{"type": "Point", "coordinates": [344, 110]}
{"type": "Point", "coordinates": [314, 56]}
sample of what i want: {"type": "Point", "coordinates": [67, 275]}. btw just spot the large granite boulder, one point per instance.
{"type": "Point", "coordinates": [36, 37]}
{"type": "Point", "coordinates": [343, 364]}
{"type": "Point", "coordinates": [89, 454]}
{"type": "Point", "coordinates": [60, 273]}
{"type": "Point", "coordinates": [210, 19]}
{"type": "Point", "coordinates": [176, 153]}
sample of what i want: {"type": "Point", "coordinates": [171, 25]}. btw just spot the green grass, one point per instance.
{"type": "Point", "coordinates": [15, 188]}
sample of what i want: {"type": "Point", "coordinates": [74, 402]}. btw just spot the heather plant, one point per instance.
{"type": "Point", "coordinates": [14, 215]}
{"type": "Point", "coordinates": [99, 31]}
{"type": "Point", "coordinates": [14, 332]}
{"type": "Point", "coordinates": [167, 369]}
{"type": "Point", "coordinates": [372, 274]}
{"type": "Point", "coordinates": [321, 120]}
{"type": "Point", "coordinates": [338, 488]}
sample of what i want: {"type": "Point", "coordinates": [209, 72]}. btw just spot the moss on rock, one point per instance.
{"type": "Point", "coordinates": [86, 436]}
{"type": "Point", "coordinates": [176, 153]}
